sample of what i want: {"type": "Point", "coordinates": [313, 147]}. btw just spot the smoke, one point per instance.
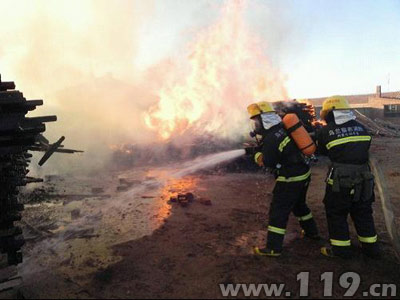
{"type": "Point", "coordinates": [50, 45]}
{"type": "Point", "coordinates": [79, 56]}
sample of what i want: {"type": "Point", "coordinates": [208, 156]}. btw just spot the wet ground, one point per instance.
{"type": "Point", "coordinates": [89, 240]}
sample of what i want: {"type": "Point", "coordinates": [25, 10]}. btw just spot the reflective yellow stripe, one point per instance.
{"type": "Point", "coordinates": [306, 217]}
{"type": "Point", "coordinates": [350, 139]}
{"type": "Point", "coordinates": [294, 179]}
{"type": "Point", "coordinates": [276, 230]}
{"type": "Point", "coordinates": [284, 143]}
{"type": "Point", "coordinates": [340, 243]}
{"type": "Point", "coordinates": [256, 156]}
{"type": "Point", "coordinates": [368, 240]}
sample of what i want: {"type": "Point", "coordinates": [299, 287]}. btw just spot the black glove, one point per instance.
{"type": "Point", "coordinates": [252, 150]}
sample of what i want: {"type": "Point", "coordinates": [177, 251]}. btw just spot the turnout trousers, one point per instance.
{"type": "Point", "coordinates": [338, 206]}
{"type": "Point", "coordinates": [289, 197]}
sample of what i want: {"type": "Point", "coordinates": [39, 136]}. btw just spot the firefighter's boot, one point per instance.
{"type": "Point", "coordinates": [266, 252]}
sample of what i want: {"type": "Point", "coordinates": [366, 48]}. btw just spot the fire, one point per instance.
{"type": "Point", "coordinates": [208, 91]}
{"type": "Point", "coordinates": [178, 186]}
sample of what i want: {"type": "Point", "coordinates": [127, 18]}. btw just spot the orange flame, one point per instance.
{"type": "Point", "coordinates": [179, 186]}
{"type": "Point", "coordinates": [209, 90]}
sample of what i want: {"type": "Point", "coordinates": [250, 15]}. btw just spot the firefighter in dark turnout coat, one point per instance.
{"type": "Point", "coordinates": [279, 152]}
{"type": "Point", "coordinates": [350, 183]}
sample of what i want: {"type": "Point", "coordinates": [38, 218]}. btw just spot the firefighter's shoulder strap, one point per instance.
{"type": "Point", "coordinates": [293, 155]}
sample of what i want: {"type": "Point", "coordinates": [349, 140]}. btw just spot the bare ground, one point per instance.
{"type": "Point", "coordinates": [135, 246]}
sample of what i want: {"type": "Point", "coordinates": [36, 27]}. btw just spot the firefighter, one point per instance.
{"type": "Point", "coordinates": [350, 183]}
{"type": "Point", "coordinates": [280, 153]}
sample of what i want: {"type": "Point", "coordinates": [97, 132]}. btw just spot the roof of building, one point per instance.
{"type": "Point", "coordinates": [358, 99]}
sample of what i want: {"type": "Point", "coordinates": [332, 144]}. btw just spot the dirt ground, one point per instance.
{"type": "Point", "coordinates": [134, 244]}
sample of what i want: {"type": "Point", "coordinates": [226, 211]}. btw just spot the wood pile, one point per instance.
{"type": "Point", "coordinates": [378, 127]}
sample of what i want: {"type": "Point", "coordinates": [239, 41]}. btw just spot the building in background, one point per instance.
{"type": "Point", "coordinates": [378, 105]}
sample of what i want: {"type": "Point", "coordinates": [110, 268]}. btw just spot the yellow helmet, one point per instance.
{"type": "Point", "coordinates": [253, 110]}
{"type": "Point", "coordinates": [334, 102]}
{"type": "Point", "coordinates": [256, 109]}
{"type": "Point", "coordinates": [265, 107]}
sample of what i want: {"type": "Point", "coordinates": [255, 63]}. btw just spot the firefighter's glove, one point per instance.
{"type": "Point", "coordinates": [259, 159]}
{"type": "Point", "coordinates": [251, 150]}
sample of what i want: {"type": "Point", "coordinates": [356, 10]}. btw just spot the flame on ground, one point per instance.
{"type": "Point", "coordinates": [177, 186]}
{"type": "Point", "coordinates": [208, 91]}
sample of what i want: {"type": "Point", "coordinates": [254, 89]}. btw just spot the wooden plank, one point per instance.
{"type": "Point", "coordinates": [10, 284]}
{"type": "Point", "coordinates": [7, 273]}
{"type": "Point", "coordinates": [7, 85]}
{"type": "Point", "coordinates": [17, 95]}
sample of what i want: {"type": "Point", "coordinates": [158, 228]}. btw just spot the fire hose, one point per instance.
{"type": "Point", "coordinates": [388, 214]}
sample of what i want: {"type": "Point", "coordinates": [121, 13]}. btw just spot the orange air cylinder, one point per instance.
{"type": "Point", "coordinates": [299, 134]}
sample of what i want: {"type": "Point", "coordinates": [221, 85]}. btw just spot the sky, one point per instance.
{"type": "Point", "coordinates": [322, 47]}
{"type": "Point", "coordinates": [349, 47]}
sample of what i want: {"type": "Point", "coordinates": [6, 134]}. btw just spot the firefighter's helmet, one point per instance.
{"type": "Point", "coordinates": [334, 102]}
{"type": "Point", "coordinates": [266, 107]}
{"type": "Point", "coordinates": [256, 109]}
